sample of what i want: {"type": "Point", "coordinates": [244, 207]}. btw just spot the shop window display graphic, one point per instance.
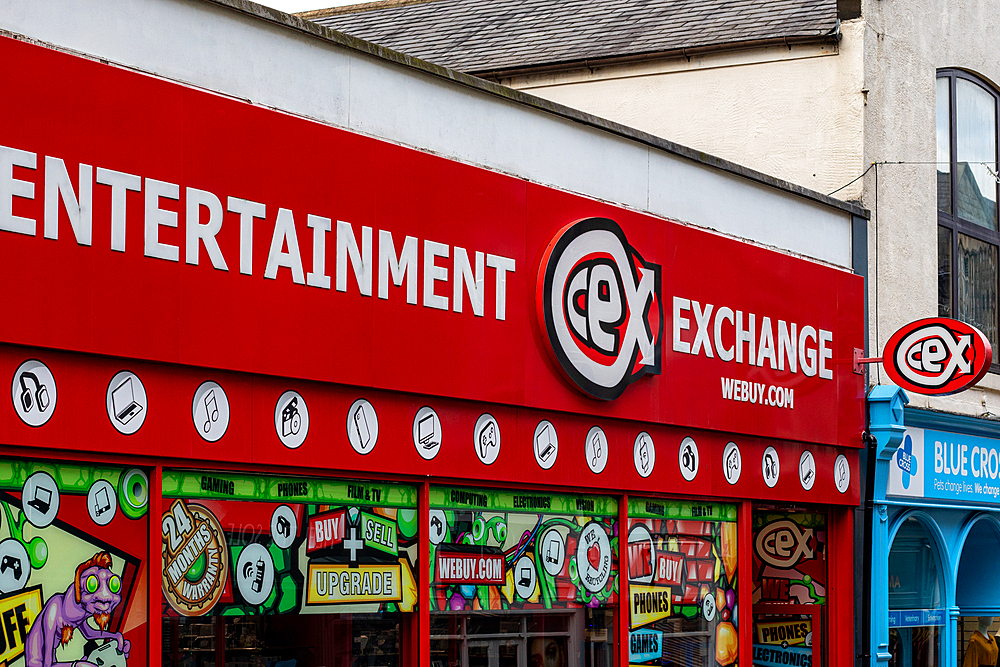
{"type": "Point", "coordinates": [683, 580]}
{"type": "Point", "coordinates": [72, 551]}
{"type": "Point", "coordinates": [789, 587]}
{"type": "Point", "coordinates": [286, 570]}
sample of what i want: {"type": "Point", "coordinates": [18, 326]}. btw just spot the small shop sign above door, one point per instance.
{"type": "Point", "coordinates": [937, 356]}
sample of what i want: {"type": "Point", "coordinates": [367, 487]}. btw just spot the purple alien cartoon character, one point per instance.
{"type": "Point", "coordinates": [94, 593]}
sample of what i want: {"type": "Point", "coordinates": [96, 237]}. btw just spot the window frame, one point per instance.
{"type": "Point", "coordinates": [951, 221]}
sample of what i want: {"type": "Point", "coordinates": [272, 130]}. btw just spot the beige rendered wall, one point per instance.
{"type": "Point", "coordinates": [905, 43]}
{"type": "Point", "coordinates": [795, 113]}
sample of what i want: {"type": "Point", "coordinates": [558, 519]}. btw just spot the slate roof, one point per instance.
{"type": "Point", "coordinates": [487, 35]}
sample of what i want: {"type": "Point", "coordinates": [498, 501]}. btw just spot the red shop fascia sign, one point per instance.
{"type": "Point", "coordinates": [143, 219]}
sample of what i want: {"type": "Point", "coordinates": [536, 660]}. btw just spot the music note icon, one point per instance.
{"type": "Point", "coordinates": [211, 410]}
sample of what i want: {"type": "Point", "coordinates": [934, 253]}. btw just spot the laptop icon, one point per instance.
{"type": "Point", "coordinates": [42, 500]}
{"type": "Point", "coordinates": [426, 431]}
{"type": "Point", "coordinates": [123, 402]}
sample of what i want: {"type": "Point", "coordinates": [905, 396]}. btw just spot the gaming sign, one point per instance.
{"type": "Point", "coordinates": [937, 355]}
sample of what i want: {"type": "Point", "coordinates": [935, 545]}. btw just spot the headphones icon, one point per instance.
{"type": "Point", "coordinates": [41, 394]}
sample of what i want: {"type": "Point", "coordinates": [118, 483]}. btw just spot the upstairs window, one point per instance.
{"type": "Point", "coordinates": [968, 234]}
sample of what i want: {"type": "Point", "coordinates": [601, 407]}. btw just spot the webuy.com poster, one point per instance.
{"type": "Point", "coordinates": [237, 545]}
{"type": "Point", "coordinates": [72, 570]}
{"type": "Point", "coordinates": [683, 579]}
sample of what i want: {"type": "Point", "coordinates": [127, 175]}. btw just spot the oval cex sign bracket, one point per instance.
{"type": "Point", "coordinates": [937, 356]}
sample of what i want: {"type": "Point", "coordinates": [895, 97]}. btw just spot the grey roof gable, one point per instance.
{"type": "Point", "coordinates": [487, 35]}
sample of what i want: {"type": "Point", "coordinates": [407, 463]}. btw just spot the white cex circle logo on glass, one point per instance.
{"type": "Point", "coordinates": [126, 402]}
{"type": "Point", "coordinates": [210, 411]}
{"type": "Point", "coordinates": [732, 463]}
{"type": "Point", "coordinates": [770, 466]}
{"type": "Point", "coordinates": [546, 444]}
{"type": "Point", "coordinates": [687, 458]}
{"type": "Point", "coordinates": [291, 419]}
{"type": "Point", "coordinates": [596, 450]}
{"type": "Point", "coordinates": [362, 426]}
{"type": "Point", "coordinates": [842, 473]}
{"type": "Point", "coordinates": [600, 307]}
{"type": "Point", "coordinates": [33, 391]}
{"type": "Point", "coordinates": [644, 454]}
{"type": "Point", "coordinates": [487, 438]}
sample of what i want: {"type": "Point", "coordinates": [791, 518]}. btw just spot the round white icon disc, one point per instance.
{"type": "Point", "coordinates": [15, 567]}
{"type": "Point", "coordinates": [255, 573]}
{"type": "Point", "coordinates": [33, 391]}
{"type": "Point", "coordinates": [210, 411]}
{"type": "Point", "coordinates": [596, 450]}
{"type": "Point", "coordinates": [687, 459]}
{"type": "Point", "coordinates": [487, 438]}
{"type": "Point", "coordinates": [553, 553]}
{"type": "Point", "coordinates": [807, 470]}
{"type": "Point", "coordinates": [40, 499]}
{"type": "Point", "coordinates": [644, 454]}
{"type": "Point", "coordinates": [546, 444]}
{"type": "Point", "coordinates": [102, 502]}
{"type": "Point", "coordinates": [427, 433]}
{"type": "Point", "coordinates": [732, 463]}
{"type": "Point", "coordinates": [126, 402]}
{"type": "Point", "coordinates": [362, 426]}
{"type": "Point", "coordinates": [593, 557]}
{"type": "Point", "coordinates": [842, 473]}
{"type": "Point", "coordinates": [284, 526]}
{"type": "Point", "coordinates": [525, 577]}
{"type": "Point", "coordinates": [770, 466]}
{"type": "Point", "coordinates": [438, 527]}
{"type": "Point", "coordinates": [291, 419]}
{"type": "Point", "coordinates": [708, 607]}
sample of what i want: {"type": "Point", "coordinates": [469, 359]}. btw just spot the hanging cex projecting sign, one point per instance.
{"type": "Point", "coordinates": [937, 355]}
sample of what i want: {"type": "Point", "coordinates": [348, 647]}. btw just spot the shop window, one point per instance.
{"type": "Point", "coordinates": [72, 553]}
{"type": "Point", "coordinates": [789, 588]}
{"type": "Point", "coordinates": [522, 579]}
{"type": "Point", "coordinates": [682, 572]}
{"type": "Point", "coordinates": [968, 235]}
{"type": "Point", "coordinates": [286, 572]}
{"type": "Point", "coordinates": [916, 608]}
{"type": "Point", "coordinates": [976, 594]}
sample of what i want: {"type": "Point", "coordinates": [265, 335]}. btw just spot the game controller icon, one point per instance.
{"type": "Point", "coordinates": [9, 562]}
{"type": "Point", "coordinates": [107, 655]}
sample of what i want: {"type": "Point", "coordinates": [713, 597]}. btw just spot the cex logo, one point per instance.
{"type": "Point", "coordinates": [937, 356]}
{"type": "Point", "coordinates": [783, 543]}
{"type": "Point", "coordinates": [599, 303]}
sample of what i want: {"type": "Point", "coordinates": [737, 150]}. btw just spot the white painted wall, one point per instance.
{"type": "Point", "coordinates": [218, 48]}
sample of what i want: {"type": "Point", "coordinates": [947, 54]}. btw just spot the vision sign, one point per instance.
{"type": "Point", "coordinates": [937, 356]}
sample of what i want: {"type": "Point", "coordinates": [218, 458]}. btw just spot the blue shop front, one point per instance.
{"type": "Point", "coordinates": [935, 536]}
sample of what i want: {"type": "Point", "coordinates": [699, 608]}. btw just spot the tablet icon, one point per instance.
{"type": "Point", "coordinates": [210, 411]}
{"type": "Point", "coordinates": [487, 438]}
{"type": "Point", "coordinates": [842, 473]}
{"type": "Point", "coordinates": [770, 466]}
{"type": "Point", "coordinates": [362, 426]}
{"type": "Point", "coordinates": [596, 450]}
{"type": "Point", "coordinates": [687, 459]}
{"type": "Point", "coordinates": [427, 433]}
{"type": "Point", "coordinates": [644, 454]}
{"type": "Point", "coordinates": [546, 444]}
{"type": "Point", "coordinates": [553, 552]}
{"type": "Point", "coordinates": [807, 470]}
{"type": "Point", "coordinates": [102, 502]}
{"type": "Point", "coordinates": [33, 391]}
{"type": "Point", "coordinates": [126, 402]}
{"type": "Point", "coordinates": [291, 419]}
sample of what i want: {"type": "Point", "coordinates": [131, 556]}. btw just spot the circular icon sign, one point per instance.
{"type": "Point", "coordinates": [291, 419]}
{"type": "Point", "coordinates": [807, 470]}
{"type": "Point", "coordinates": [284, 526]}
{"type": "Point", "coordinates": [644, 454]}
{"type": "Point", "coordinates": [770, 466]}
{"type": "Point", "coordinates": [642, 555]}
{"type": "Point", "coordinates": [102, 502]}
{"type": "Point", "coordinates": [15, 567]}
{"type": "Point", "coordinates": [40, 499]}
{"type": "Point", "coordinates": [33, 391]}
{"type": "Point", "coordinates": [732, 463]}
{"type": "Point", "coordinates": [525, 577]}
{"type": "Point", "coordinates": [687, 459]}
{"type": "Point", "coordinates": [255, 573]}
{"type": "Point", "coordinates": [593, 557]}
{"type": "Point", "coordinates": [439, 527]}
{"type": "Point", "coordinates": [362, 426]}
{"type": "Point", "coordinates": [937, 355]}
{"type": "Point", "coordinates": [195, 558]}
{"type": "Point", "coordinates": [126, 402]}
{"type": "Point", "coordinates": [210, 411]}
{"type": "Point", "coordinates": [596, 450]}
{"type": "Point", "coordinates": [546, 444]}
{"type": "Point", "coordinates": [487, 438]}
{"type": "Point", "coordinates": [842, 473]}
{"type": "Point", "coordinates": [427, 433]}
{"type": "Point", "coordinates": [708, 608]}
{"type": "Point", "coordinates": [553, 553]}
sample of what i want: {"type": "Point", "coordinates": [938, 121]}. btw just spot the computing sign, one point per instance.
{"type": "Point", "coordinates": [938, 356]}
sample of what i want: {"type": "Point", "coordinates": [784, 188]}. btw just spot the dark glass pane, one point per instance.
{"type": "Point", "coordinates": [976, 198]}
{"type": "Point", "coordinates": [977, 285]}
{"type": "Point", "coordinates": [944, 272]}
{"type": "Point", "coordinates": [944, 144]}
